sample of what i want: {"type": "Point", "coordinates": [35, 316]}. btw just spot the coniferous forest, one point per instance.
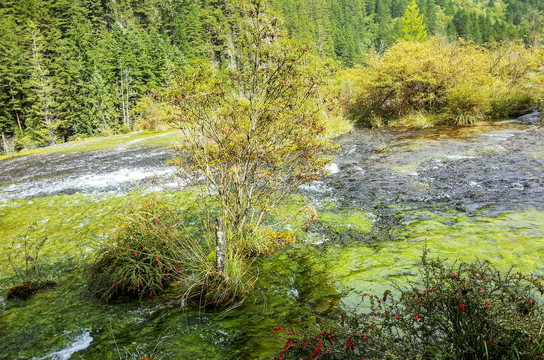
{"type": "Point", "coordinates": [76, 68]}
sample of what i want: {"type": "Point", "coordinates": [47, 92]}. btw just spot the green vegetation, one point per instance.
{"type": "Point", "coordinates": [160, 139]}
{"type": "Point", "coordinates": [254, 133]}
{"type": "Point", "coordinates": [463, 311]}
{"type": "Point", "coordinates": [347, 29]}
{"type": "Point", "coordinates": [93, 216]}
{"type": "Point", "coordinates": [155, 249]}
{"type": "Point", "coordinates": [354, 220]}
{"type": "Point", "coordinates": [326, 277]}
{"type": "Point", "coordinates": [27, 266]}
{"type": "Point", "coordinates": [437, 81]}
{"type": "Point", "coordinates": [73, 68]}
{"type": "Point", "coordinates": [257, 102]}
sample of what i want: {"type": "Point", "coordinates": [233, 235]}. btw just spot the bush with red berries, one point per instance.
{"type": "Point", "coordinates": [464, 311]}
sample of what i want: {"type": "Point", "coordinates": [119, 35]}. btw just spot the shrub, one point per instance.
{"type": "Point", "coordinates": [154, 250]}
{"type": "Point", "coordinates": [465, 311]}
{"type": "Point", "coordinates": [512, 102]}
{"type": "Point", "coordinates": [459, 81]}
{"type": "Point", "coordinates": [152, 116]}
{"type": "Point", "coordinates": [255, 131]}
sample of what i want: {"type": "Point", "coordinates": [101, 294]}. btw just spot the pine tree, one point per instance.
{"type": "Point", "coordinates": [195, 46]}
{"type": "Point", "coordinates": [325, 41]}
{"type": "Point", "coordinates": [12, 74]}
{"type": "Point", "coordinates": [413, 28]}
{"type": "Point", "coordinates": [43, 112]}
{"type": "Point", "coordinates": [100, 112]}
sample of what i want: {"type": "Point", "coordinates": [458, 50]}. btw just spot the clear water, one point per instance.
{"type": "Point", "coordinates": [465, 193]}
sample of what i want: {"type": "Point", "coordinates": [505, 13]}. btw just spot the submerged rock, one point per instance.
{"type": "Point", "coordinates": [25, 290]}
{"type": "Point", "coordinates": [20, 291]}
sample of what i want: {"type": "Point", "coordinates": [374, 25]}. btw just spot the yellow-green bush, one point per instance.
{"type": "Point", "coordinates": [460, 82]}
{"type": "Point", "coordinates": [151, 115]}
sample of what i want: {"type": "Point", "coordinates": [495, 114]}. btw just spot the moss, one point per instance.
{"type": "Point", "coordinates": [73, 224]}
{"type": "Point", "coordinates": [507, 239]}
{"type": "Point", "coordinates": [337, 126]}
{"type": "Point", "coordinates": [418, 185]}
{"type": "Point", "coordinates": [409, 169]}
{"type": "Point", "coordinates": [536, 155]}
{"type": "Point", "coordinates": [286, 237]}
{"type": "Point", "coordinates": [415, 120]}
{"type": "Point", "coordinates": [296, 283]}
{"type": "Point", "coordinates": [328, 205]}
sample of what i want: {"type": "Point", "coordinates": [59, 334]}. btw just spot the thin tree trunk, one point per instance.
{"type": "Point", "coordinates": [5, 142]}
{"type": "Point", "coordinates": [127, 124]}
{"type": "Point", "coordinates": [220, 246]}
{"type": "Point", "coordinates": [16, 112]}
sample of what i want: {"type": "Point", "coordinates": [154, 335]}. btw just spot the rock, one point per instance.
{"type": "Point", "coordinates": [21, 291]}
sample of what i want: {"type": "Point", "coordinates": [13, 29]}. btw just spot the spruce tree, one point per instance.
{"type": "Point", "coordinates": [12, 75]}
{"type": "Point", "coordinates": [413, 28]}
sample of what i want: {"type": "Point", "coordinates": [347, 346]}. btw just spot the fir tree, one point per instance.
{"type": "Point", "coordinates": [413, 28]}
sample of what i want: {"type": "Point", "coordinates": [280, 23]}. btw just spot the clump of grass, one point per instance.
{"type": "Point", "coordinates": [208, 287]}
{"type": "Point", "coordinates": [24, 256]}
{"type": "Point", "coordinates": [143, 259]}
{"type": "Point", "coordinates": [338, 125]}
{"type": "Point", "coordinates": [156, 250]}
{"type": "Point", "coordinates": [417, 119]}
{"type": "Point", "coordinates": [511, 102]}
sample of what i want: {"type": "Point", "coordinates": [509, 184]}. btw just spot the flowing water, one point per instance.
{"type": "Point", "coordinates": [465, 193]}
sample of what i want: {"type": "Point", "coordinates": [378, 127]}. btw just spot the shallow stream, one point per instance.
{"type": "Point", "coordinates": [466, 193]}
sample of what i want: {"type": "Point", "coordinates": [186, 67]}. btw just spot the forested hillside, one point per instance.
{"type": "Point", "coordinates": [345, 29]}
{"type": "Point", "coordinates": [71, 68]}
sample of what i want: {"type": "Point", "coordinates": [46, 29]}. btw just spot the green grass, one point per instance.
{"type": "Point", "coordinates": [166, 139]}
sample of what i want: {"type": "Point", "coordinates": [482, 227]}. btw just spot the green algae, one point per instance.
{"type": "Point", "coordinates": [297, 283]}
{"type": "Point", "coordinates": [506, 240]}
{"type": "Point", "coordinates": [418, 185]}
{"type": "Point", "coordinates": [73, 224]}
{"type": "Point", "coordinates": [300, 282]}
{"type": "Point", "coordinates": [328, 205]}
{"type": "Point", "coordinates": [510, 238]}
{"type": "Point", "coordinates": [291, 287]}
{"type": "Point", "coordinates": [354, 220]}
{"type": "Point", "coordinates": [408, 169]}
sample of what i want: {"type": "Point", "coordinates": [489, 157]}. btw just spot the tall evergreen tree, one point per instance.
{"type": "Point", "coordinates": [43, 113]}
{"type": "Point", "coordinates": [12, 75]}
{"type": "Point", "coordinates": [413, 28]}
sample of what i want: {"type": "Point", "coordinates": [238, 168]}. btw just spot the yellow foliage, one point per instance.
{"type": "Point", "coordinates": [281, 238]}
{"type": "Point", "coordinates": [460, 81]}
{"type": "Point", "coordinates": [151, 115]}
{"type": "Point", "coordinates": [286, 237]}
